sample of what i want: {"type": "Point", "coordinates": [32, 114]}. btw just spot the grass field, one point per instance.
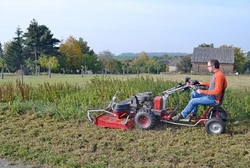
{"type": "Point", "coordinates": [234, 81]}
{"type": "Point", "coordinates": [74, 142]}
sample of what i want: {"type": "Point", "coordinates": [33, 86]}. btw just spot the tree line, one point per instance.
{"type": "Point", "coordinates": [36, 50]}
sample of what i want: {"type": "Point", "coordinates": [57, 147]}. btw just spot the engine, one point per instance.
{"type": "Point", "coordinates": [142, 100]}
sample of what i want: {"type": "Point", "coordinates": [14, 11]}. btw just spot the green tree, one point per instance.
{"type": "Point", "coordinates": [117, 66]}
{"type": "Point", "coordinates": [84, 47]}
{"type": "Point", "coordinates": [39, 40]}
{"type": "Point", "coordinates": [247, 71]}
{"type": "Point", "coordinates": [159, 66]}
{"type": "Point", "coordinates": [1, 59]}
{"type": "Point", "coordinates": [105, 53]}
{"type": "Point", "coordinates": [185, 65]}
{"type": "Point", "coordinates": [149, 66]}
{"type": "Point", "coordinates": [166, 57]}
{"type": "Point", "coordinates": [14, 52]}
{"type": "Point", "coordinates": [92, 62]}
{"type": "Point", "coordinates": [206, 45]}
{"type": "Point", "coordinates": [139, 64]}
{"type": "Point", "coordinates": [248, 55]}
{"type": "Point", "coordinates": [105, 57]}
{"type": "Point", "coordinates": [1, 50]}
{"type": "Point", "coordinates": [2, 65]}
{"type": "Point", "coordinates": [48, 62]}
{"type": "Point", "coordinates": [62, 61]}
{"type": "Point", "coordinates": [246, 66]}
{"type": "Point", "coordinates": [89, 58]}
{"type": "Point", "coordinates": [9, 56]}
{"type": "Point", "coordinates": [124, 68]}
{"type": "Point", "coordinates": [239, 58]}
{"type": "Point", "coordinates": [30, 64]}
{"type": "Point", "coordinates": [143, 57]}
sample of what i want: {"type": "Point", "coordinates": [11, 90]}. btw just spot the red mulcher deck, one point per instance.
{"type": "Point", "coordinates": [110, 121]}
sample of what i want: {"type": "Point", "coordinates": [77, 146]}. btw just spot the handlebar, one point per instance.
{"type": "Point", "coordinates": [106, 110]}
{"type": "Point", "coordinates": [182, 88]}
{"type": "Point", "coordinates": [113, 101]}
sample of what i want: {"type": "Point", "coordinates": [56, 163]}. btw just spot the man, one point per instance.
{"type": "Point", "coordinates": [212, 96]}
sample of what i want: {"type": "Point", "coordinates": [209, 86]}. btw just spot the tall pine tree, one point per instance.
{"type": "Point", "coordinates": [38, 41]}
{"type": "Point", "coordinates": [14, 52]}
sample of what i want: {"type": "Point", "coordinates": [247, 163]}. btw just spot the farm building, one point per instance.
{"type": "Point", "coordinates": [173, 64]}
{"type": "Point", "coordinates": [201, 55]}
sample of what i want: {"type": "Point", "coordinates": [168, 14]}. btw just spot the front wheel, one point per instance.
{"type": "Point", "coordinates": [145, 119]}
{"type": "Point", "coordinates": [215, 126]}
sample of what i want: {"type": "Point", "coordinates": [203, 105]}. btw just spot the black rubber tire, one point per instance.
{"type": "Point", "coordinates": [145, 119]}
{"type": "Point", "coordinates": [222, 114]}
{"type": "Point", "coordinates": [215, 126]}
{"type": "Point", "coordinates": [122, 106]}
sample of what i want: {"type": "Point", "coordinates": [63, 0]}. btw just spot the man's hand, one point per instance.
{"type": "Point", "coordinates": [164, 91]}
{"type": "Point", "coordinates": [198, 91]}
{"type": "Point", "coordinates": [195, 82]}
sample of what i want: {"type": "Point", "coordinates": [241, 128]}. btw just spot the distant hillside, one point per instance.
{"type": "Point", "coordinates": [158, 54]}
{"type": "Point", "coordinates": [131, 56]}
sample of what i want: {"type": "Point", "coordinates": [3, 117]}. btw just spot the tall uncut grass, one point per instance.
{"type": "Point", "coordinates": [65, 100]}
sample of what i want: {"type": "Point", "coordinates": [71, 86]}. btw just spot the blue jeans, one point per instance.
{"type": "Point", "coordinates": [197, 99]}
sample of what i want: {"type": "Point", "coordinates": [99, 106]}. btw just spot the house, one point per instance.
{"type": "Point", "coordinates": [201, 55]}
{"type": "Point", "coordinates": [173, 64]}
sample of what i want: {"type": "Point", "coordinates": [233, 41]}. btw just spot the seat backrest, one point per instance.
{"type": "Point", "coordinates": [222, 98]}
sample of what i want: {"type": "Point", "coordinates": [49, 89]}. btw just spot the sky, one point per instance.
{"type": "Point", "coordinates": [121, 26]}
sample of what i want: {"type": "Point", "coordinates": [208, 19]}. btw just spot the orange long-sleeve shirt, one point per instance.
{"type": "Point", "coordinates": [217, 85]}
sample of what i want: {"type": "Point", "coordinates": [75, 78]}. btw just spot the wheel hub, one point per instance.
{"type": "Point", "coordinates": [144, 120]}
{"type": "Point", "coordinates": [215, 127]}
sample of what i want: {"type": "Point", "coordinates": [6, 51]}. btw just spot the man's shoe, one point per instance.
{"type": "Point", "coordinates": [177, 117]}
{"type": "Point", "coordinates": [193, 116]}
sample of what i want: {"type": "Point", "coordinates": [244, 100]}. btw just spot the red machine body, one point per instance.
{"type": "Point", "coordinates": [118, 120]}
{"type": "Point", "coordinates": [116, 115]}
{"type": "Point", "coordinates": [158, 103]}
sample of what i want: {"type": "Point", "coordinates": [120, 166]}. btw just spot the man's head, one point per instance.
{"type": "Point", "coordinates": [212, 65]}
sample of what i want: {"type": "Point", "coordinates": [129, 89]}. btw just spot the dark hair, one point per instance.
{"type": "Point", "coordinates": [215, 63]}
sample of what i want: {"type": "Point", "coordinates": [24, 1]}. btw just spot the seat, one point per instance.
{"type": "Point", "coordinates": [217, 111]}
{"type": "Point", "coordinates": [221, 99]}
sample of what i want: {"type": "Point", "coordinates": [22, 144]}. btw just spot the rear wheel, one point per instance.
{"type": "Point", "coordinates": [145, 119]}
{"type": "Point", "coordinates": [215, 126]}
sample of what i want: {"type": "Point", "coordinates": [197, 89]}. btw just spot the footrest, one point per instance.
{"type": "Point", "coordinates": [185, 120]}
